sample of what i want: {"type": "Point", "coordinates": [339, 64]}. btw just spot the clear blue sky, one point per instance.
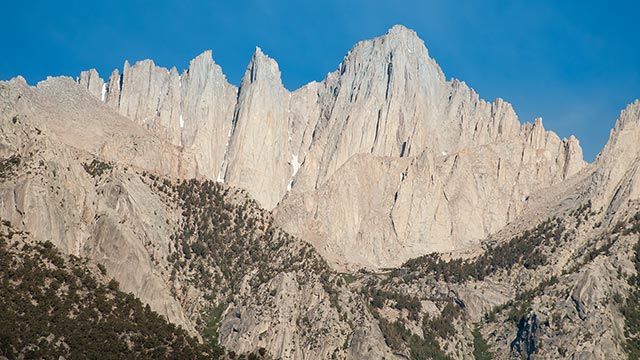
{"type": "Point", "coordinates": [575, 63]}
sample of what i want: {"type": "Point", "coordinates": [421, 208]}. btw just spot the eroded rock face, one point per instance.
{"type": "Point", "coordinates": [617, 173]}
{"type": "Point", "coordinates": [389, 99]}
{"type": "Point", "coordinates": [54, 198]}
{"type": "Point", "coordinates": [463, 167]}
{"type": "Point", "coordinates": [116, 215]}
{"type": "Point", "coordinates": [471, 164]}
{"type": "Point", "coordinates": [94, 83]}
{"type": "Point", "coordinates": [193, 111]}
{"type": "Point", "coordinates": [259, 154]}
{"type": "Point", "coordinates": [208, 103]}
{"type": "Point", "coordinates": [299, 323]}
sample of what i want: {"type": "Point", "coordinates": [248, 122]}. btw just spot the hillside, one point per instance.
{"type": "Point", "coordinates": [55, 305]}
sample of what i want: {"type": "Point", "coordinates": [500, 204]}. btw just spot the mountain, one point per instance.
{"type": "Point", "coordinates": [385, 212]}
{"type": "Point", "coordinates": [300, 152]}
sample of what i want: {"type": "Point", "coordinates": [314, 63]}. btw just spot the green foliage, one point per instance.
{"type": "Point", "coordinates": [424, 349]}
{"type": "Point", "coordinates": [8, 166]}
{"type": "Point", "coordinates": [103, 270]}
{"type": "Point", "coordinates": [349, 278]}
{"type": "Point", "coordinates": [524, 249]}
{"type": "Point", "coordinates": [96, 168]}
{"type": "Point", "coordinates": [519, 307]}
{"type": "Point", "coordinates": [395, 334]}
{"type": "Point", "coordinates": [210, 332]}
{"type": "Point", "coordinates": [442, 326]}
{"type": "Point", "coordinates": [224, 242]}
{"type": "Point", "coordinates": [398, 337]}
{"type": "Point", "coordinates": [633, 225]}
{"type": "Point", "coordinates": [379, 297]}
{"type": "Point", "coordinates": [480, 346]}
{"type": "Point", "coordinates": [53, 308]}
{"type": "Point", "coordinates": [631, 309]}
{"type": "Point", "coordinates": [582, 213]}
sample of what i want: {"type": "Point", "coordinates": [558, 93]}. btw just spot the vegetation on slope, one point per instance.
{"type": "Point", "coordinates": [53, 306]}
{"type": "Point", "coordinates": [225, 241]}
{"type": "Point", "coordinates": [523, 249]}
{"type": "Point", "coordinates": [480, 346]}
{"type": "Point", "coordinates": [9, 165]}
{"type": "Point", "coordinates": [96, 167]}
{"type": "Point", "coordinates": [631, 309]}
{"type": "Point", "coordinates": [529, 251]}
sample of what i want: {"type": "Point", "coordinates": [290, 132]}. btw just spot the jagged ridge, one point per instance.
{"type": "Point", "coordinates": [388, 98]}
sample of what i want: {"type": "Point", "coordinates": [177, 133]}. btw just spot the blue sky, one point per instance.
{"type": "Point", "coordinates": [575, 63]}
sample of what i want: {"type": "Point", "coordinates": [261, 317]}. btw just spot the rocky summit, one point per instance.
{"type": "Point", "coordinates": [386, 212]}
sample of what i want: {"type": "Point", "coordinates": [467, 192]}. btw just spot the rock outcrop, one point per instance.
{"type": "Point", "coordinates": [94, 84]}
{"type": "Point", "coordinates": [129, 220]}
{"type": "Point", "coordinates": [193, 111]}
{"type": "Point", "coordinates": [258, 158]}
{"type": "Point", "coordinates": [54, 198]}
{"type": "Point", "coordinates": [617, 166]}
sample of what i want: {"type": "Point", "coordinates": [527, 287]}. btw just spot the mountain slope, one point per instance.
{"type": "Point", "coordinates": [200, 253]}
{"type": "Point", "coordinates": [58, 306]}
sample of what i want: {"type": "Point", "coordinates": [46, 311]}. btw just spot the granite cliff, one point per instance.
{"type": "Point", "coordinates": [448, 152]}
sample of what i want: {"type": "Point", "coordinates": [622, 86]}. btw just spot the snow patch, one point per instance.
{"type": "Point", "coordinates": [444, 153]}
{"type": "Point", "coordinates": [296, 166]}
{"type": "Point", "coordinates": [181, 122]}
{"type": "Point", "coordinates": [220, 179]}
{"type": "Point", "coordinates": [404, 175]}
{"type": "Point", "coordinates": [104, 92]}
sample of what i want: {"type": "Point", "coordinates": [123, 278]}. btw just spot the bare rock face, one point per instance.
{"type": "Point", "coordinates": [150, 95]}
{"type": "Point", "coordinates": [114, 85]}
{"type": "Point", "coordinates": [259, 151]}
{"type": "Point", "coordinates": [193, 110]}
{"type": "Point", "coordinates": [617, 166]}
{"type": "Point", "coordinates": [208, 103]}
{"type": "Point", "coordinates": [452, 152]}
{"type": "Point", "coordinates": [94, 83]}
{"type": "Point", "coordinates": [373, 104]}
{"type": "Point", "coordinates": [299, 323]}
{"type": "Point", "coordinates": [54, 198]}
{"type": "Point", "coordinates": [116, 215]}
{"type": "Point", "coordinates": [390, 99]}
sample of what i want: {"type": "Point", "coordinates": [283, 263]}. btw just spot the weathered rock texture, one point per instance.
{"type": "Point", "coordinates": [124, 217]}
{"type": "Point", "coordinates": [452, 153]}
{"type": "Point", "coordinates": [462, 167]}
{"type": "Point", "coordinates": [617, 166]}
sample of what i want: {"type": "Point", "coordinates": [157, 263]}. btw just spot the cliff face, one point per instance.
{"type": "Point", "coordinates": [197, 252]}
{"type": "Point", "coordinates": [462, 167]}
{"type": "Point", "coordinates": [296, 151]}
{"type": "Point", "coordinates": [617, 165]}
